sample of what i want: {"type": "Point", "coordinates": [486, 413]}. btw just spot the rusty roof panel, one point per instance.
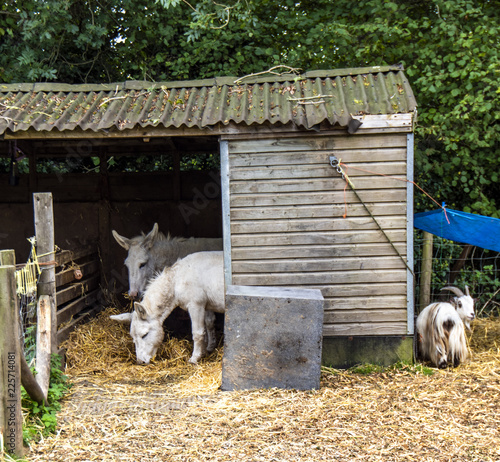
{"type": "Point", "coordinates": [305, 101]}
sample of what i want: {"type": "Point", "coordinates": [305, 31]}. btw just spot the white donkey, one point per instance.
{"type": "Point", "coordinates": [195, 284]}
{"type": "Point", "coordinates": [148, 254]}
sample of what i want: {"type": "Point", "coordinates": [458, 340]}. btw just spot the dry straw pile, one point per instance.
{"type": "Point", "coordinates": [173, 411]}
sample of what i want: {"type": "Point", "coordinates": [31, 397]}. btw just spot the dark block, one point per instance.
{"type": "Point", "coordinates": [272, 338]}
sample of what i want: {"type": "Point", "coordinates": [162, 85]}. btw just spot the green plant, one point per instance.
{"type": "Point", "coordinates": [30, 343]}
{"type": "Point", "coordinates": [9, 458]}
{"type": "Point", "coordinates": [417, 368]}
{"type": "Point", "coordinates": [400, 366]}
{"type": "Point", "coordinates": [200, 161]}
{"type": "Point", "coordinates": [40, 419]}
{"type": "Point", "coordinates": [420, 368]}
{"type": "Point", "coordinates": [365, 369]}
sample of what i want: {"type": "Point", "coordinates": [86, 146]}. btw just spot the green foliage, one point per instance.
{"type": "Point", "coordinates": [156, 163]}
{"type": "Point", "coordinates": [41, 420]}
{"type": "Point", "coordinates": [458, 129]}
{"type": "Point", "coordinates": [450, 50]}
{"type": "Point", "coordinates": [200, 161]}
{"type": "Point", "coordinates": [69, 164]}
{"type": "Point", "coordinates": [20, 166]}
{"type": "Point", "coordinates": [30, 343]}
{"type": "Point", "coordinates": [418, 368]}
{"type": "Point", "coordinates": [368, 369]}
{"type": "Point", "coordinates": [81, 41]}
{"type": "Point", "coordinates": [401, 366]}
{"type": "Point", "coordinates": [451, 53]}
{"type": "Point", "coordinates": [9, 458]}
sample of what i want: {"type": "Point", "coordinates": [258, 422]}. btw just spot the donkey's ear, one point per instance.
{"type": "Point", "coordinates": [141, 311]}
{"type": "Point", "coordinates": [151, 237]}
{"type": "Point", "coordinates": [123, 241]}
{"type": "Point", "coordinates": [125, 318]}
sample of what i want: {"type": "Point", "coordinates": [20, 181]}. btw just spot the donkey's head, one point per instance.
{"type": "Point", "coordinates": [140, 262]}
{"type": "Point", "coordinates": [146, 329]}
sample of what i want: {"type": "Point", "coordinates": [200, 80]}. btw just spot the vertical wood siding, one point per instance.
{"type": "Point", "coordinates": [287, 227]}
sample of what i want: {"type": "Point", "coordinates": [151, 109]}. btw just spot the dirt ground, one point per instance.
{"type": "Point", "coordinates": [172, 411]}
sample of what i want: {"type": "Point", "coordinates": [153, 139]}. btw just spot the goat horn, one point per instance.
{"type": "Point", "coordinates": [453, 289]}
{"type": "Point", "coordinates": [467, 290]}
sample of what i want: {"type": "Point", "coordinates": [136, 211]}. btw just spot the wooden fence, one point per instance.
{"type": "Point", "coordinates": [68, 293]}
{"type": "Point", "coordinates": [77, 284]}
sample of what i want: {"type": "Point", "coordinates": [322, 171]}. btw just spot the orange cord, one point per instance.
{"type": "Point", "coordinates": [394, 178]}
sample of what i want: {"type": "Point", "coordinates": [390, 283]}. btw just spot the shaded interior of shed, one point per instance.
{"type": "Point", "coordinates": [100, 184]}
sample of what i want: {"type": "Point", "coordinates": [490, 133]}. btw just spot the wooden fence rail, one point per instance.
{"type": "Point", "coordinates": [77, 281]}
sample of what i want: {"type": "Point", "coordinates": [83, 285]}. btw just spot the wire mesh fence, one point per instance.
{"type": "Point", "coordinates": [27, 277]}
{"type": "Point", "coordinates": [460, 265]}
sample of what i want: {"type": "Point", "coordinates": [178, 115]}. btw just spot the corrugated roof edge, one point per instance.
{"type": "Point", "coordinates": [216, 81]}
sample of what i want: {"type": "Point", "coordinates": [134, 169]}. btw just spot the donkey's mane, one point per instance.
{"type": "Point", "coordinates": [160, 237]}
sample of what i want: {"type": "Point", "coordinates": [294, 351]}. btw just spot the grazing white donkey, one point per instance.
{"type": "Point", "coordinates": [148, 254]}
{"type": "Point", "coordinates": [440, 329]}
{"type": "Point", "coordinates": [195, 284]}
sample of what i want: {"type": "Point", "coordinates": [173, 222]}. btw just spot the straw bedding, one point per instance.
{"type": "Point", "coordinates": [173, 411]}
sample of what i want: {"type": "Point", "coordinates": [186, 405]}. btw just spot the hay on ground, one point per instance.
{"type": "Point", "coordinates": [173, 411]}
{"type": "Point", "coordinates": [104, 350]}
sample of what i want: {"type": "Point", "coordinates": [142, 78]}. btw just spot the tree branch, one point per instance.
{"type": "Point", "coordinates": [270, 71]}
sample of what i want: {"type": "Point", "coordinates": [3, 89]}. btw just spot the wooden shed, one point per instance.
{"type": "Point", "coordinates": [287, 146]}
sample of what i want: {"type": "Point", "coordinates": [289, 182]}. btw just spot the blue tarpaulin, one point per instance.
{"type": "Point", "coordinates": [461, 227]}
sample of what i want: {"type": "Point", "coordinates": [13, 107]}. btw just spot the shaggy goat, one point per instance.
{"type": "Point", "coordinates": [440, 329]}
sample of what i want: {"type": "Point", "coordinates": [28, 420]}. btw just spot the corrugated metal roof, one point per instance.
{"type": "Point", "coordinates": [305, 100]}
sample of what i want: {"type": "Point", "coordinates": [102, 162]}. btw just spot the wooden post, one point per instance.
{"type": "Point", "coordinates": [11, 418]}
{"type": "Point", "coordinates": [45, 246]}
{"type": "Point", "coordinates": [426, 271]}
{"type": "Point", "coordinates": [43, 343]}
